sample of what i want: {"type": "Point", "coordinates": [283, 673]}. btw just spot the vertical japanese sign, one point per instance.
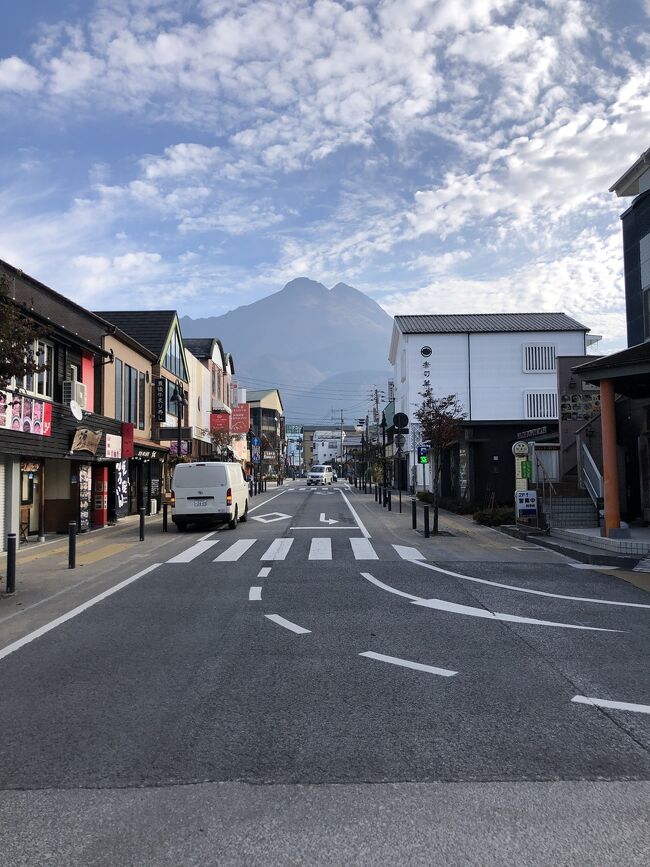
{"type": "Point", "coordinates": [160, 399]}
{"type": "Point", "coordinates": [241, 418]}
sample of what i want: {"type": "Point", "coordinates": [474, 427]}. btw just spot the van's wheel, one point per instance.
{"type": "Point", "coordinates": [181, 526]}
{"type": "Point", "coordinates": [244, 517]}
{"type": "Point", "coordinates": [232, 523]}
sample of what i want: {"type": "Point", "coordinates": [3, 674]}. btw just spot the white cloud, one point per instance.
{"type": "Point", "coordinates": [18, 76]}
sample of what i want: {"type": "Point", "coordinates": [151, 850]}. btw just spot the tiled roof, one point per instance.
{"type": "Point", "coordinates": [148, 327]}
{"type": "Point", "coordinates": [462, 323]}
{"type": "Point", "coordinates": [200, 347]}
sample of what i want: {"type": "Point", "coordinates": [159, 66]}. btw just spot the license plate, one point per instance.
{"type": "Point", "coordinates": [200, 502]}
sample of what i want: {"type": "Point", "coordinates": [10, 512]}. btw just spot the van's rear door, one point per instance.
{"type": "Point", "coordinates": [200, 489]}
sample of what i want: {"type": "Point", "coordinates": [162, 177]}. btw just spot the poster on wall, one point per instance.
{"type": "Point", "coordinates": [25, 414]}
{"type": "Point", "coordinates": [121, 488]}
{"type": "Point", "coordinates": [85, 497]}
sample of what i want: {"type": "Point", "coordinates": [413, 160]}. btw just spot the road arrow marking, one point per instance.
{"type": "Point", "coordinates": [325, 520]}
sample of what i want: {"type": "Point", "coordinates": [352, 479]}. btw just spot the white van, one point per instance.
{"type": "Point", "coordinates": [320, 475]}
{"type": "Point", "coordinates": [208, 492]}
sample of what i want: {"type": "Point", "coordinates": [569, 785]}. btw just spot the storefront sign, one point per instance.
{"type": "Point", "coordinates": [86, 440]}
{"type": "Point", "coordinates": [241, 418]}
{"type": "Point", "coordinates": [113, 446]}
{"type": "Point", "coordinates": [531, 434]}
{"type": "Point", "coordinates": [525, 504]}
{"type": "Point", "coordinates": [520, 449]}
{"type": "Point", "coordinates": [160, 399]}
{"type": "Point", "coordinates": [185, 448]}
{"type": "Point", "coordinates": [220, 421]}
{"type": "Point", "coordinates": [25, 414]}
{"type": "Point", "coordinates": [127, 439]}
{"type": "Point", "coordinates": [29, 466]}
{"type": "Point", "coordinates": [85, 497]}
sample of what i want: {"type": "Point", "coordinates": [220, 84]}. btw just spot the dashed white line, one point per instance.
{"type": "Point", "coordinates": [16, 645]}
{"type": "Point", "coordinates": [406, 663]}
{"type": "Point", "coordinates": [207, 536]}
{"type": "Point", "coordinates": [193, 552]}
{"type": "Point", "coordinates": [277, 550]}
{"type": "Point", "coordinates": [614, 705]}
{"type": "Point", "coordinates": [362, 549]}
{"type": "Point", "coordinates": [255, 594]}
{"type": "Point", "coordinates": [264, 572]}
{"type": "Point", "coordinates": [281, 621]}
{"type": "Point", "coordinates": [236, 550]}
{"type": "Point", "coordinates": [259, 505]}
{"type": "Point", "coordinates": [528, 590]}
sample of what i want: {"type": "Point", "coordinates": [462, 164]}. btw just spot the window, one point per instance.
{"type": "Point", "coordinates": [403, 365]}
{"type": "Point", "coordinates": [41, 383]}
{"type": "Point", "coordinates": [141, 399]}
{"type": "Point", "coordinates": [130, 394]}
{"type": "Point", "coordinates": [539, 358]}
{"type": "Point", "coordinates": [214, 383]}
{"type": "Point", "coordinates": [646, 313]}
{"type": "Point", "coordinates": [173, 360]}
{"type": "Point", "coordinates": [219, 385]}
{"type": "Point", "coordinates": [540, 404]}
{"type": "Point", "coordinates": [118, 389]}
{"type": "Point", "coordinates": [74, 372]}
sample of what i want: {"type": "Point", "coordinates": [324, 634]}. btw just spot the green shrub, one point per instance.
{"type": "Point", "coordinates": [495, 517]}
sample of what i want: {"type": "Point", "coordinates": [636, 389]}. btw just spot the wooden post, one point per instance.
{"type": "Point", "coordinates": [610, 457]}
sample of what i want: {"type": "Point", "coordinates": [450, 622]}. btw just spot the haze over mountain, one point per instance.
{"type": "Point", "coordinates": [324, 348]}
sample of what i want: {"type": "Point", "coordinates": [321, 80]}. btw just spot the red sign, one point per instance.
{"type": "Point", "coordinates": [220, 421]}
{"type": "Point", "coordinates": [127, 440]}
{"type": "Point", "coordinates": [241, 418]}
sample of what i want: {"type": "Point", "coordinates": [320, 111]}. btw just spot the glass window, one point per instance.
{"type": "Point", "coordinates": [141, 399]}
{"type": "Point", "coordinates": [118, 389]}
{"type": "Point", "coordinates": [42, 382]}
{"type": "Point", "coordinates": [173, 360]}
{"type": "Point", "coordinates": [132, 404]}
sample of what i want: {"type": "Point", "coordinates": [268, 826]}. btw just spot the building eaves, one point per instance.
{"type": "Point", "coordinates": [481, 323]}
{"type": "Point", "coordinates": [628, 183]}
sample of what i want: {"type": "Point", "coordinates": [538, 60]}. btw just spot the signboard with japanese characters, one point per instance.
{"type": "Point", "coordinates": [113, 446]}
{"type": "Point", "coordinates": [525, 504]}
{"type": "Point", "coordinates": [220, 421]}
{"type": "Point", "coordinates": [160, 399]}
{"type": "Point", "coordinates": [86, 440]}
{"type": "Point", "coordinates": [240, 421]}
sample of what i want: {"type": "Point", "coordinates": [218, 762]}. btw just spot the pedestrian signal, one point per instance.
{"type": "Point", "coordinates": [424, 459]}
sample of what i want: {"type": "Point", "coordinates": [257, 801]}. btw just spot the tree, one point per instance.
{"type": "Point", "coordinates": [18, 334]}
{"type": "Point", "coordinates": [221, 442]}
{"type": "Point", "coordinates": [439, 419]}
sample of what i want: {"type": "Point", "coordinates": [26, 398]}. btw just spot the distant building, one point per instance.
{"type": "Point", "coordinates": [268, 424]}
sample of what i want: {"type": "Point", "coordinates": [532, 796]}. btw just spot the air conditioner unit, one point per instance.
{"type": "Point", "coordinates": [73, 390]}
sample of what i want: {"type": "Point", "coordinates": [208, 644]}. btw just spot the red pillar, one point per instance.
{"type": "Point", "coordinates": [610, 457]}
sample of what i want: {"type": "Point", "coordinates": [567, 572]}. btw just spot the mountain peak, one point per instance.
{"type": "Point", "coordinates": [304, 286]}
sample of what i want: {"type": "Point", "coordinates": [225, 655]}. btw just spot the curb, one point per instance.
{"type": "Point", "coordinates": [617, 561]}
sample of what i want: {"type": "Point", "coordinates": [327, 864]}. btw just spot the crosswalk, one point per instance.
{"type": "Point", "coordinates": [318, 548]}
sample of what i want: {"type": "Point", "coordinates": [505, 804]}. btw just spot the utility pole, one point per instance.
{"type": "Point", "coordinates": [341, 446]}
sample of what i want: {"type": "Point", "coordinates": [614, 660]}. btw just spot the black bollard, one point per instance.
{"type": "Point", "coordinates": [414, 513]}
{"type": "Point", "coordinates": [375, 492]}
{"type": "Point", "coordinates": [165, 508]}
{"type": "Point", "coordinates": [11, 564]}
{"type": "Point", "coordinates": [72, 545]}
{"type": "Point", "coordinates": [427, 532]}
{"type": "Point", "coordinates": [255, 487]}
{"type": "Point", "coordinates": [250, 489]}
{"type": "Point", "coordinates": [141, 511]}
{"type": "Point", "coordinates": [390, 503]}
{"type": "Point", "coordinates": [384, 497]}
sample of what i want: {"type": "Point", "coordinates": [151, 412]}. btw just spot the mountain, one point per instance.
{"type": "Point", "coordinates": [324, 348]}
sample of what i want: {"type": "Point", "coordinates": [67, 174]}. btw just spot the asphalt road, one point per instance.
{"type": "Point", "coordinates": [323, 685]}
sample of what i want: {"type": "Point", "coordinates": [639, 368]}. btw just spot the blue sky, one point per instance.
{"type": "Point", "coordinates": [440, 156]}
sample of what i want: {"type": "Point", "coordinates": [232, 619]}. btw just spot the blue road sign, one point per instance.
{"type": "Point", "coordinates": [256, 441]}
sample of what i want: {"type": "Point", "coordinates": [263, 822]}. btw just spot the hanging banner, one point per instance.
{"type": "Point", "coordinates": [220, 421]}
{"type": "Point", "coordinates": [241, 418]}
{"type": "Point", "coordinates": [127, 439]}
{"type": "Point", "coordinates": [86, 440]}
{"type": "Point", "coordinates": [159, 399]}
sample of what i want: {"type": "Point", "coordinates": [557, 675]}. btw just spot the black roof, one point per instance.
{"type": "Point", "coordinates": [200, 347]}
{"type": "Point", "coordinates": [462, 323]}
{"type": "Point", "coordinates": [639, 354]}
{"type": "Point", "coordinates": [148, 327]}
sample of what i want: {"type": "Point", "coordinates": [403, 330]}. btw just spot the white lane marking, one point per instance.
{"type": "Point", "coordinates": [255, 594]}
{"type": "Point", "coordinates": [320, 549]}
{"type": "Point", "coordinates": [362, 549]}
{"type": "Point", "coordinates": [207, 536]}
{"type": "Point", "coordinates": [264, 572]}
{"type": "Point", "coordinates": [266, 502]}
{"type": "Point", "coordinates": [360, 524]}
{"type": "Point", "coordinates": [615, 705]}
{"type": "Point", "coordinates": [235, 551]}
{"type": "Point", "coordinates": [470, 611]}
{"type": "Point", "coordinates": [300, 630]}
{"type": "Point", "coordinates": [589, 566]}
{"type": "Point", "coordinates": [383, 586]}
{"type": "Point", "coordinates": [193, 552]}
{"type": "Point", "coordinates": [325, 520]}
{"type": "Point", "coordinates": [323, 528]}
{"type": "Point", "coordinates": [271, 517]}
{"type": "Point", "coordinates": [408, 553]}
{"type": "Point", "coordinates": [277, 550]}
{"type": "Point", "coordinates": [528, 548]}
{"type": "Point", "coordinates": [406, 663]}
{"type": "Point", "coordinates": [16, 645]}
{"type": "Point", "coordinates": [454, 608]}
{"type": "Point", "coordinates": [528, 590]}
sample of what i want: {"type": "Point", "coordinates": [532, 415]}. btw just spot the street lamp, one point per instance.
{"type": "Point", "coordinates": [179, 399]}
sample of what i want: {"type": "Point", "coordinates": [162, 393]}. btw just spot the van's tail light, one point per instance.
{"type": "Point", "coordinates": [229, 497]}
{"type": "Point", "coordinates": [172, 499]}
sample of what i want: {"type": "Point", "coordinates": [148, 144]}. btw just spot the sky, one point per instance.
{"type": "Point", "coordinates": [441, 156]}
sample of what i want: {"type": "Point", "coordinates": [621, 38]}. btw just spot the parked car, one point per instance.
{"type": "Point", "coordinates": [320, 475]}
{"type": "Point", "coordinates": [209, 492]}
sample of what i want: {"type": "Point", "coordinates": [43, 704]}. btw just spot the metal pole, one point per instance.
{"type": "Point", "coordinates": [384, 497]}
{"type": "Point", "coordinates": [141, 511]}
{"type": "Point", "coordinates": [426, 523]}
{"type": "Point", "coordinates": [11, 564]}
{"type": "Point", "coordinates": [164, 527]}
{"type": "Point", "coordinates": [180, 418]}
{"type": "Point", "coordinates": [414, 513]}
{"type": "Point", "coordinates": [72, 544]}
{"type": "Point", "coordinates": [390, 503]}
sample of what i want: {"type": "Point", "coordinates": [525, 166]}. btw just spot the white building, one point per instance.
{"type": "Point", "coordinates": [502, 368]}
{"type": "Point", "coordinates": [327, 446]}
